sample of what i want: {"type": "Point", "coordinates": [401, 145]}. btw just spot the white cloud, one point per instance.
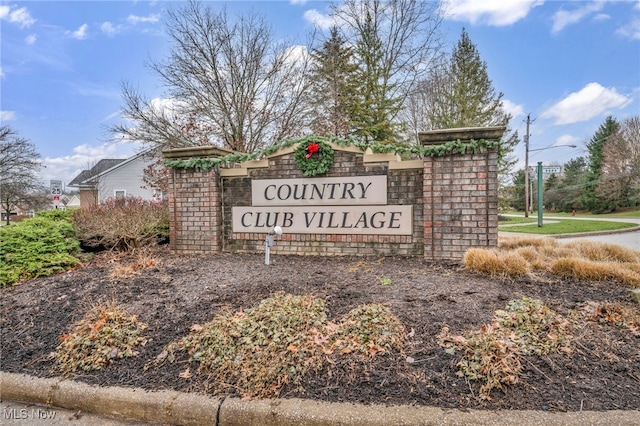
{"type": "Point", "coordinates": [2, 74]}
{"type": "Point", "coordinates": [510, 108]}
{"type": "Point", "coordinates": [320, 20]}
{"type": "Point", "coordinates": [296, 54]}
{"type": "Point", "coordinates": [567, 140]}
{"type": "Point", "coordinates": [109, 29]}
{"type": "Point", "coordinates": [20, 16]}
{"type": "Point", "coordinates": [133, 19]}
{"type": "Point", "coordinates": [591, 101]}
{"type": "Point", "coordinates": [80, 33]}
{"type": "Point", "coordinates": [84, 157]}
{"type": "Point", "coordinates": [7, 116]}
{"type": "Point", "coordinates": [294, 2]}
{"type": "Point", "coordinates": [562, 18]}
{"type": "Point", "coordinates": [490, 12]}
{"type": "Point", "coordinates": [31, 39]}
{"type": "Point", "coordinates": [165, 105]}
{"type": "Point", "coordinates": [631, 30]}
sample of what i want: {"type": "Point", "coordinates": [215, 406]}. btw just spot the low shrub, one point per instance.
{"type": "Point", "coordinates": [539, 329]}
{"type": "Point", "coordinates": [490, 358]}
{"type": "Point", "coordinates": [35, 247]}
{"type": "Point", "coordinates": [369, 329]}
{"type": "Point", "coordinates": [122, 225]}
{"type": "Point", "coordinates": [259, 350]}
{"type": "Point", "coordinates": [105, 334]}
{"type": "Point", "coordinates": [492, 354]}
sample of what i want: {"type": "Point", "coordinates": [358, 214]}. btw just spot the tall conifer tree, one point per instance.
{"type": "Point", "coordinates": [333, 80]}
{"type": "Point", "coordinates": [465, 97]}
{"type": "Point", "coordinates": [595, 147]}
{"type": "Point", "coordinates": [374, 107]}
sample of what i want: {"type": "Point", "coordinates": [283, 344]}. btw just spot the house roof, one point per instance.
{"type": "Point", "coordinates": [100, 167]}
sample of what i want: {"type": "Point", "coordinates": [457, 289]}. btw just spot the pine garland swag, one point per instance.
{"type": "Point", "coordinates": [314, 157]}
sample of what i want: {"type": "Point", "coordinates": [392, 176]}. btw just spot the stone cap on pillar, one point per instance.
{"type": "Point", "coordinates": [464, 134]}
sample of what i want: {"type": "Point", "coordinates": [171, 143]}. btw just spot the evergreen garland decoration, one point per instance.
{"type": "Point", "coordinates": [448, 148]}
{"type": "Point", "coordinates": [314, 158]}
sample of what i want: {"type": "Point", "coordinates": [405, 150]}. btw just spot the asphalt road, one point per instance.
{"type": "Point", "coordinates": [622, 238]}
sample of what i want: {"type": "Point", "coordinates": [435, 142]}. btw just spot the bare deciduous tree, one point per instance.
{"type": "Point", "coordinates": [421, 102]}
{"type": "Point", "coordinates": [19, 163]}
{"type": "Point", "coordinates": [619, 182]}
{"type": "Point", "coordinates": [227, 78]}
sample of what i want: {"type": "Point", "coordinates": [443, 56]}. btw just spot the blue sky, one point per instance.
{"type": "Point", "coordinates": [568, 64]}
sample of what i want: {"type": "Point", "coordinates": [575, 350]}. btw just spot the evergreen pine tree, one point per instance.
{"type": "Point", "coordinates": [333, 79]}
{"type": "Point", "coordinates": [373, 109]}
{"type": "Point", "coordinates": [570, 188]}
{"type": "Point", "coordinates": [591, 200]}
{"type": "Point", "coordinates": [465, 97]}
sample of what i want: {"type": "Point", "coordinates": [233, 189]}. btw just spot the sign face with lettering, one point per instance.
{"type": "Point", "coordinates": [358, 190]}
{"type": "Point", "coordinates": [336, 205]}
{"type": "Point", "coordinates": [387, 220]}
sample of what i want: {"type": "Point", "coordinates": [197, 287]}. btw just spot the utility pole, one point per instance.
{"type": "Point", "coordinates": [526, 168]}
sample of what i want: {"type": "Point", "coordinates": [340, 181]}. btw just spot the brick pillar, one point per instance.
{"type": "Point", "coordinates": [195, 211]}
{"type": "Point", "coordinates": [460, 204]}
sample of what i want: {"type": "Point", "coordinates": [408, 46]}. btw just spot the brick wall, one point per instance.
{"type": "Point", "coordinates": [460, 204]}
{"type": "Point", "coordinates": [195, 218]}
{"type": "Point", "coordinates": [404, 187]}
{"type": "Point", "coordinates": [454, 199]}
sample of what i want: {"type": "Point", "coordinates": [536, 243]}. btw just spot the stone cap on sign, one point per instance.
{"type": "Point", "coordinates": [464, 134]}
{"type": "Point", "coordinates": [196, 151]}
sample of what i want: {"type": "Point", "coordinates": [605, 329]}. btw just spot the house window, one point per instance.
{"type": "Point", "coordinates": [157, 194]}
{"type": "Point", "coordinates": [120, 194]}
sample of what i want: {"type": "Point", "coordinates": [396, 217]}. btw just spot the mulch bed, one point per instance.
{"type": "Point", "coordinates": [602, 372]}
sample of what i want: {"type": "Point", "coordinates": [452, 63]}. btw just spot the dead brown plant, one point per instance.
{"type": "Point", "coordinates": [582, 259]}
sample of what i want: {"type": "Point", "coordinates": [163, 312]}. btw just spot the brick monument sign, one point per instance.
{"type": "Point", "coordinates": [339, 197]}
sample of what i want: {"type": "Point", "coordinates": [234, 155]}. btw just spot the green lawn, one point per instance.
{"type": "Point", "coordinates": [568, 226]}
{"type": "Point", "coordinates": [634, 214]}
{"type": "Point", "coordinates": [515, 220]}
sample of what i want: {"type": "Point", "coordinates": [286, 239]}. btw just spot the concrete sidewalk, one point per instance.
{"type": "Point", "coordinates": [177, 408]}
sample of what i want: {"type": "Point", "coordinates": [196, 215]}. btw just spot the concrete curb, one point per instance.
{"type": "Point", "coordinates": [178, 408]}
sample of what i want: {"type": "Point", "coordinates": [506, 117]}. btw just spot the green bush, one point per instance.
{"type": "Point", "coordinates": [123, 225]}
{"type": "Point", "coordinates": [41, 246]}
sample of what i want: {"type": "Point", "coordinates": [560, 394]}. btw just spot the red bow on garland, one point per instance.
{"type": "Point", "coordinates": [312, 149]}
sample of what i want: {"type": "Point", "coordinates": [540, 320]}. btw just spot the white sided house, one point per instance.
{"type": "Point", "coordinates": [115, 178]}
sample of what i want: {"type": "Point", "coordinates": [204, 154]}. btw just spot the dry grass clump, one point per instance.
{"type": "Point", "coordinates": [582, 259]}
{"type": "Point", "coordinates": [103, 335]}
{"type": "Point", "coordinates": [492, 354]}
{"type": "Point", "coordinates": [596, 271]}
{"type": "Point", "coordinates": [493, 262]}
{"type": "Point", "coordinates": [603, 252]}
{"type": "Point", "coordinates": [259, 350]}
{"type": "Point", "coordinates": [516, 242]}
{"type": "Point", "coordinates": [142, 261]}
